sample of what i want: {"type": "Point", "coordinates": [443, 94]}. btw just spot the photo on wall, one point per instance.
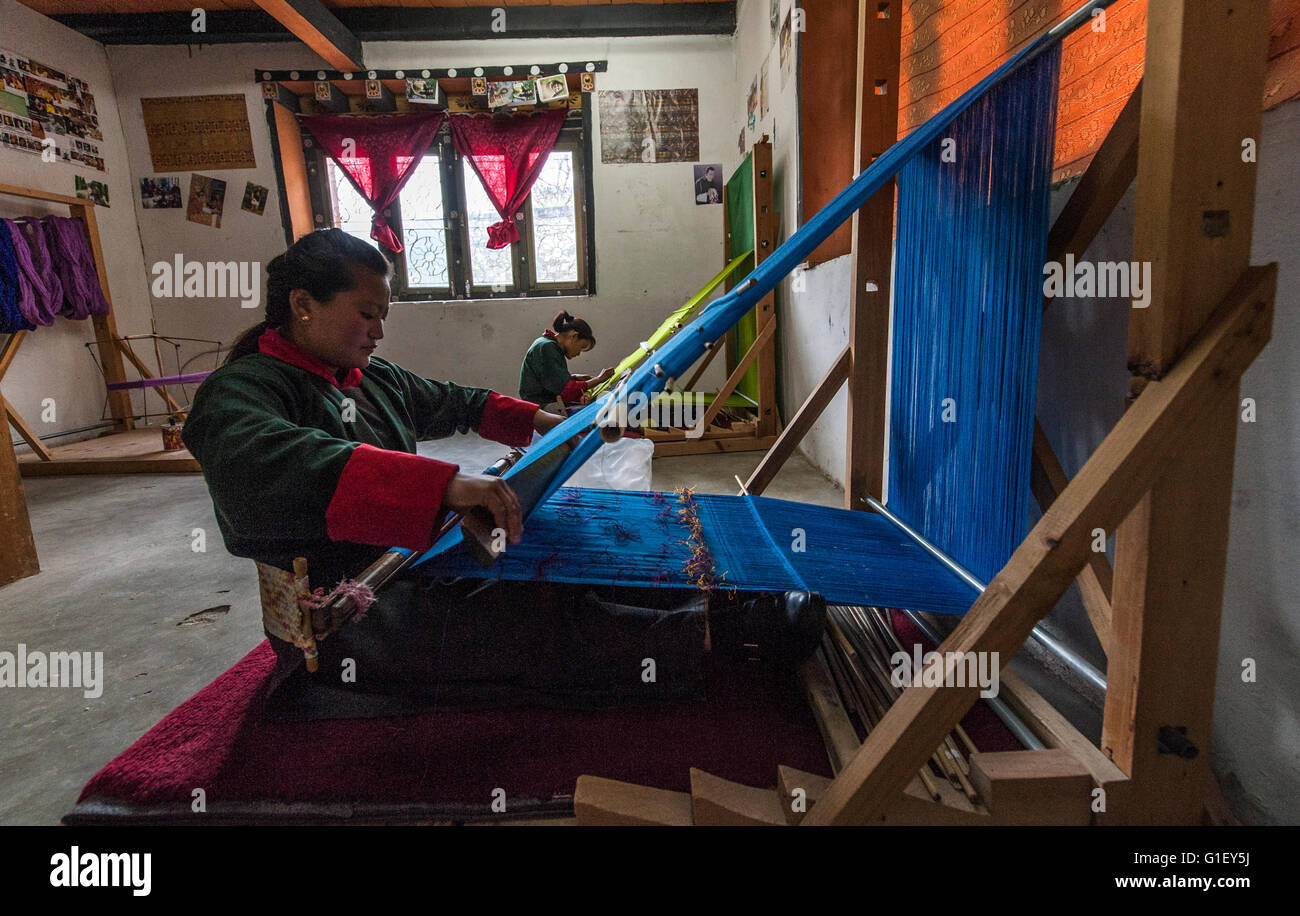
{"type": "Point", "coordinates": [94, 191]}
{"type": "Point", "coordinates": [708, 183]}
{"type": "Point", "coordinates": [425, 92]}
{"type": "Point", "coordinates": [649, 125]}
{"type": "Point", "coordinates": [254, 198]}
{"type": "Point", "coordinates": [523, 92]}
{"type": "Point", "coordinates": [160, 193]}
{"type": "Point", "coordinates": [207, 200]}
{"type": "Point", "coordinates": [499, 94]}
{"type": "Point", "coordinates": [552, 88]}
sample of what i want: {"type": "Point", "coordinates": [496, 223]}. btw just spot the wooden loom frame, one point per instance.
{"type": "Point", "coordinates": [127, 450]}
{"type": "Point", "coordinates": [762, 433]}
{"type": "Point", "coordinates": [1162, 479]}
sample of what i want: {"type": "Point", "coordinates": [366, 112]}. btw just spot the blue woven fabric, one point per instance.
{"type": "Point", "coordinates": [756, 544]}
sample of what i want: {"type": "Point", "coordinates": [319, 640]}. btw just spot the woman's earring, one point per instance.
{"type": "Point", "coordinates": [306, 318]}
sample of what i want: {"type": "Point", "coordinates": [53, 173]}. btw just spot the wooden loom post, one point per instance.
{"type": "Point", "coordinates": [17, 548]}
{"type": "Point", "coordinates": [1205, 62]}
{"type": "Point", "coordinates": [119, 402]}
{"type": "Point", "coordinates": [879, 31]}
{"type": "Point", "coordinates": [765, 231]}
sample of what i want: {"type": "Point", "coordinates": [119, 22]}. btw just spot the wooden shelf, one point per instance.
{"type": "Point", "coordinates": [139, 451]}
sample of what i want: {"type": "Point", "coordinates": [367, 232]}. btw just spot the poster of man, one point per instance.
{"type": "Point", "coordinates": [708, 184]}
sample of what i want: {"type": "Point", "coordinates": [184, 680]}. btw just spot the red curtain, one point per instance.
{"type": "Point", "coordinates": [378, 153]}
{"type": "Point", "coordinates": [507, 155]}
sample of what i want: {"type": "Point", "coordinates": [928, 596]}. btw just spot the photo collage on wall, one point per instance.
{"type": "Point", "coordinates": [39, 103]}
{"type": "Point", "coordinates": [518, 93]}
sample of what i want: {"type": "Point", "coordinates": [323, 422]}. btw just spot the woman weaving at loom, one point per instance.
{"type": "Point", "coordinates": [544, 376]}
{"type": "Point", "coordinates": [307, 445]}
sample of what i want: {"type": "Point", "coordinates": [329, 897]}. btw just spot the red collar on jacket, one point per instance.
{"type": "Point", "coordinates": [272, 343]}
{"type": "Point", "coordinates": [549, 333]}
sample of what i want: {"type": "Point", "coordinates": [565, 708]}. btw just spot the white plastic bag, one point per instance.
{"type": "Point", "coordinates": [622, 465]}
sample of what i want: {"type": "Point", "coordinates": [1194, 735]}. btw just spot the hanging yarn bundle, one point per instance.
{"type": "Point", "coordinates": [13, 289]}
{"type": "Point", "coordinates": [74, 264]}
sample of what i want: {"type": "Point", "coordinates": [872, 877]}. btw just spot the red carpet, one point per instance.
{"type": "Point", "coordinates": [445, 763]}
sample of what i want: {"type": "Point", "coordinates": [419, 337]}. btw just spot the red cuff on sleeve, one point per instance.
{"type": "Point", "coordinates": [507, 420]}
{"type": "Point", "coordinates": [573, 392]}
{"type": "Point", "coordinates": [391, 499]}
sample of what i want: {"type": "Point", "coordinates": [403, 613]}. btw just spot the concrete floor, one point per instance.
{"type": "Point", "coordinates": [119, 575]}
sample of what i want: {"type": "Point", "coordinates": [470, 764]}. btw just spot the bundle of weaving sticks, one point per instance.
{"type": "Point", "coordinates": [858, 644]}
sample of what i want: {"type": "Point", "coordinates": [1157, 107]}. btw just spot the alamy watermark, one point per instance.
{"type": "Point", "coordinates": [946, 669]}
{"type": "Point", "coordinates": [669, 409]}
{"type": "Point", "coordinates": [181, 279]}
{"type": "Point", "coordinates": [84, 670]}
{"type": "Point", "coordinates": [1098, 279]}
{"type": "Point", "coordinates": [103, 869]}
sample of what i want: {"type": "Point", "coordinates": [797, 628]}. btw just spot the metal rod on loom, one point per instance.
{"type": "Point", "coordinates": [1071, 659]}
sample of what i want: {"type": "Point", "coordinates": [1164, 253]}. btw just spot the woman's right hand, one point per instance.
{"type": "Point", "coordinates": [467, 491]}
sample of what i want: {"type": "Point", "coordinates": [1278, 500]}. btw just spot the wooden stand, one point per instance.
{"type": "Point", "coordinates": [127, 450]}
{"type": "Point", "coordinates": [17, 549]}
{"type": "Point", "coordinates": [760, 432]}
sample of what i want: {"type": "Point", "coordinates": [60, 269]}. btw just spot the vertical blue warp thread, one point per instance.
{"type": "Point", "coordinates": [972, 235]}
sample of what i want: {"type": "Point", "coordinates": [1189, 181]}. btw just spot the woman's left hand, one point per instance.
{"type": "Point", "coordinates": [544, 422]}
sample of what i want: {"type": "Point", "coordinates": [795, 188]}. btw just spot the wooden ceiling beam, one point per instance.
{"type": "Point", "coordinates": [319, 29]}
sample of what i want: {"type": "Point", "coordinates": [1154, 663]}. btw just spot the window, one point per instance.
{"type": "Point", "coordinates": [442, 215]}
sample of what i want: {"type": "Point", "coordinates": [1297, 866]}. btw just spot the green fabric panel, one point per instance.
{"type": "Point", "coordinates": [740, 216]}
{"type": "Point", "coordinates": [740, 207]}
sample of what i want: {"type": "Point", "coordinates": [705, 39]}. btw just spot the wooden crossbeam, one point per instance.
{"type": "Point", "coordinates": [1047, 480]}
{"type": "Point", "coordinates": [28, 434]}
{"type": "Point", "coordinates": [1126, 464]}
{"type": "Point", "coordinates": [760, 341]}
{"type": "Point", "coordinates": [319, 29]}
{"type": "Point", "coordinates": [10, 350]}
{"type": "Point", "coordinates": [807, 415]}
{"type": "Point", "coordinates": [1102, 186]}
{"type": "Point", "coordinates": [714, 350]}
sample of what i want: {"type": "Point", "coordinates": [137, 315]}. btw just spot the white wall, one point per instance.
{"type": "Point", "coordinates": [53, 363]}
{"type": "Point", "coordinates": [146, 71]}
{"type": "Point", "coordinates": [654, 246]}
{"type": "Point", "coordinates": [1257, 726]}
{"type": "Point", "coordinates": [812, 323]}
